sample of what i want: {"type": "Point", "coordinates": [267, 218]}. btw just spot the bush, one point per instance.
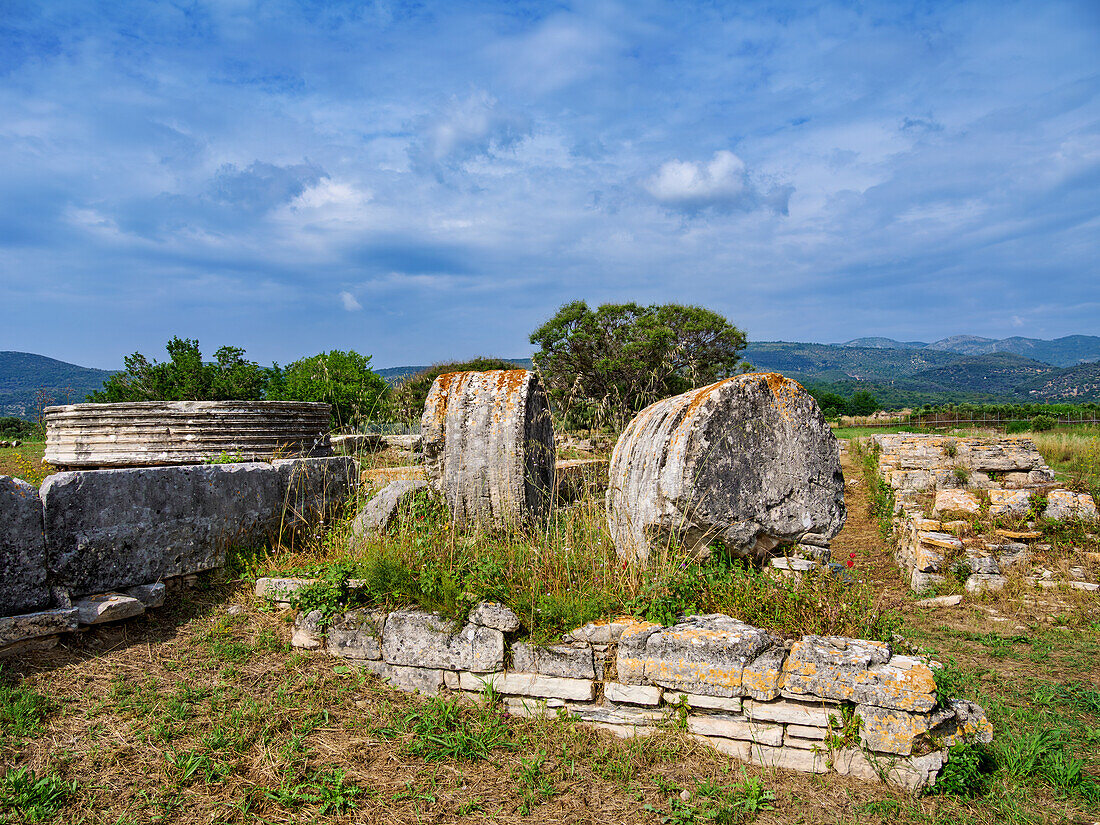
{"type": "Point", "coordinates": [968, 771]}
{"type": "Point", "coordinates": [1041, 423]}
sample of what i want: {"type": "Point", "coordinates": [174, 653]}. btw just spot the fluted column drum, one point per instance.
{"type": "Point", "coordinates": [152, 433]}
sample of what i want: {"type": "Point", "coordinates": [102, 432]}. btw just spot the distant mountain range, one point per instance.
{"type": "Point", "coordinates": [1061, 352]}
{"type": "Point", "coordinates": [899, 373]}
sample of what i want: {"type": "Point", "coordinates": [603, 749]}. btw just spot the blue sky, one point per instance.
{"type": "Point", "coordinates": [427, 181]}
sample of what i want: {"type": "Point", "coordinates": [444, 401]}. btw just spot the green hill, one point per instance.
{"type": "Point", "coordinates": [27, 379]}
{"type": "Point", "coordinates": [998, 374]}
{"type": "Point", "coordinates": [1078, 384]}
{"type": "Point", "coordinates": [814, 361]}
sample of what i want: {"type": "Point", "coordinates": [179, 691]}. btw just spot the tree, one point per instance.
{"type": "Point", "coordinates": [602, 366]}
{"type": "Point", "coordinates": [862, 403]}
{"type": "Point", "coordinates": [342, 379]}
{"type": "Point", "coordinates": [831, 404]}
{"type": "Point", "coordinates": [410, 395]}
{"type": "Point", "coordinates": [186, 377]}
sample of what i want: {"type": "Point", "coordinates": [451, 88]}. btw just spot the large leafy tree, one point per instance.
{"type": "Point", "coordinates": [342, 379]}
{"type": "Point", "coordinates": [601, 366]}
{"type": "Point", "coordinates": [186, 377]}
{"type": "Point", "coordinates": [410, 395]}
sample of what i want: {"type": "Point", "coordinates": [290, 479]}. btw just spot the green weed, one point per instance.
{"type": "Point", "coordinates": [34, 798]}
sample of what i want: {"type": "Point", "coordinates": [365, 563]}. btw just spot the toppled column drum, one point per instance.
{"type": "Point", "coordinates": [749, 461]}
{"type": "Point", "coordinates": [489, 445]}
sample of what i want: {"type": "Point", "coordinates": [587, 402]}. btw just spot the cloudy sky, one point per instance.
{"type": "Point", "coordinates": [426, 181]}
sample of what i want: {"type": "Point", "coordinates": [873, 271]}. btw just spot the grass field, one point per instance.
{"type": "Point", "coordinates": [201, 713]}
{"type": "Point", "coordinates": [24, 462]}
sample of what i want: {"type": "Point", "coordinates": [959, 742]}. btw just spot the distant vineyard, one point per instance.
{"type": "Point", "coordinates": [1004, 415]}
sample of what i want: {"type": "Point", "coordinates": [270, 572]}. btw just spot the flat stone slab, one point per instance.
{"type": "Point", "coordinates": [531, 684]}
{"type": "Point", "coordinates": [150, 595]}
{"type": "Point", "coordinates": [735, 727]}
{"type": "Point", "coordinates": [495, 615]}
{"type": "Point", "coordinates": [107, 607]}
{"type": "Point", "coordinates": [34, 625]}
{"type": "Point", "coordinates": [23, 587]}
{"type": "Point", "coordinates": [711, 655]}
{"type": "Point", "coordinates": [112, 529]}
{"type": "Point", "coordinates": [632, 694]}
{"type": "Point", "coordinates": [419, 639]}
{"type": "Point", "coordinates": [383, 508]}
{"type": "Point", "coordinates": [1064, 504]}
{"type": "Point", "coordinates": [280, 589]}
{"type": "Point", "coordinates": [567, 661]}
{"type": "Point", "coordinates": [357, 635]}
{"type": "Point", "coordinates": [856, 670]}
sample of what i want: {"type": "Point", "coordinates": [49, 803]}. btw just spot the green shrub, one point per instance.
{"type": "Point", "coordinates": [1041, 423]}
{"type": "Point", "coordinates": [967, 773]}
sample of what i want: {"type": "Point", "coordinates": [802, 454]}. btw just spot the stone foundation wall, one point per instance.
{"type": "Point", "coordinates": [943, 485]}
{"type": "Point", "coordinates": [88, 546]}
{"type": "Point", "coordinates": [819, 704]}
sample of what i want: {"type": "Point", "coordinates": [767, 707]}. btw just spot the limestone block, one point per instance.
{"type": "Point", "coordinates": [1063, 505]}
{"type": "Point", "coordinates": [704, 655]}
{"type": "Point", "coordinates": [384, 508]}
{"type": "Point", "coordinates": [856, 670]}
{"type": "Point", "coordinates": [107, 607]}
{"type": "Point", "coordinates": [920, 581]}
{"type": "Point", "coordinates": [307, 633]}
{"type": "Point", "coordinates": [531, 684]}
{"type": "Point", "coordinates": [568, 661]}
{"type": "Point", "coordinates": [985, 565]}
{"type": "Point", "coordinates": [985, 582]}
{"type": "Point", "coordinates": [425, 680]}
{"type": "Point", "coordinates": [420, 639]}
{"type": "Point", "coordinates": [941, 540]}
{"type": "Point", "coordinates": [357, 635]}
{"type": "Point", "coordinates": [112, 529]}
{"type": "Point", "coordinates": [1004, 455]}
{"type": "Point", "coordinates": [315, 490]}
{"type": "Point", "coordinates": [528, 708]}
{"type": "Point", "coordinates": [34, 625]}
{"type": "Point", "coordinates": [280, 590]}
{"type": "Point", "coordinates": [489, 445]}
{"type": "Point", "coordinates": [798, 713]}
{"type": "Point", "coordinates": [495, 615]}
{"type": "Point", "coordinates": [618, 715]}
{"type": "Point", "coordinates": [962, 721]}
{"type": "Point", "coordinates": [631, 694]}
{"type": "Point", "coordinates": [806, 733]}
{"type": "Point", "coordinates": [1042, 475]}
{"type": "Point", "coordinates": [630, 652]}
{"type": "Point", "coordinates": [23, 587]}
{"type": "Point", "coordinates": [939, 601]}
{"type": "Point", "coordinates": [602, 633]}
{"type": "Point", "coordinates": [696, 701]}
{"type": "Point", "coordinates": [954, 502]}
{"type": "Point", "coordinates": [792, 759]}
{"type": "Point", "coordinates": [735, 727]}
{"type": "Point", "coordinates": [737, 748]}
{"type": "Point", "coordinates": [896, 731]}
{"type": "Point", "coordinates": [150, 595]}
{"type": "Point", "coordinates": [927, 558]}
{"type": "Point", "coordinates": [1016, 480]}
{"type": "Point", "coordinates": [916, 773]}
{"type": "Point", "coordinates": [1009, 502]}
{"type": "Point", "coordinates": [749, 461]}
{"type": "Point", "coordinates": [909, 479]}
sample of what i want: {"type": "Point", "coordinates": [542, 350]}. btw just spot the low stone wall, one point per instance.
{"type": "Point", "coordinates": [819, 704]}
{"type": "Point", "coordinates": [75, 550]}
{"type": "Point", "coordinates": [944, 485]}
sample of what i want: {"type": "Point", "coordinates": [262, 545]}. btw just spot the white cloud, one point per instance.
{"type": "Point", "coordinates": [349, 302]}
{"type": "Point", "coordinates": [467, 129]}
{"type": "Point", "coordinates": [722, 184]}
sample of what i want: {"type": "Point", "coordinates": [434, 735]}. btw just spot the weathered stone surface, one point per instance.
{"type": "Point", "coordinates": [148, 433]}
{"type": "Point", "coordinates": [920, 581]}
{"type": "Point", "coordinates": [807, 733]}
{"type": "Point", "coordinates": [701, 654]}
{"type": "Point", "coordinates": [792, 759]}
{"type": "Point", "coordinates": [735, 727]}
{"type": "Point", "coordinates": [694, 700]}
{"type": "Point", "coordinates": [526, 707]}
{"type": "Point", "coordinates": [33, 625]}
{"type": "Point", "coordinates": [1009, 502]}
{"type": "Point", "coordinates": [357, 635]}
{"type": "Point", "coordinates": [568, 661]}
{"type": "Point", "coordinates": [23, 587]}
{"type": "Point", "coordinates": [531, 684]}
{"type": "Point", "coordinates": [909, 479]}
{"type": "Point", "coordinates": [425, 680]}
{"type": "Point", "coordinates": [602, 633]}
{"type": "Point", "coordinates": [315, 490]}
{"type": "Point", "coordinates": [749, 461]}
{"type": "Point", "coordinates": [833, 667]}
{"type": "Point", "coordinates": [384, 508]}
{"type": "Point", "coordinates": [280, 590]}
{"type": "Point", "coordinates": [985, 582]}
{"type": "Point", "coordinates": [150, 595]}
{"type": "Point", "coordinates": [956, 502]}
{"type": "Point", "coordinates": [308, 633]}
{"type": "Point", "coordinates": [419, 639]}
{"type": "Point", "coordinates": [1063, 504]}
{"type": "Point", "coordinates": [618, 715]}
{"type": "Point", "coordinates": [489, 445]}
{"type": "Point", "coordinates": [494, 615]}
{"type": "Point", "coordinates": [798, 713]}
{"type": "Point", "coordinates": [632, 694]}
{"type": "Point", "coordinates": [107, 607]}
{"type": "Point", "coordinates": [940, 601]}
{"type": "Point", "coordinates": [942, 540]}
{"type": "Point", "coordinates": [112, 529]}
{"type": "Point", "coordinates": [895, 731]}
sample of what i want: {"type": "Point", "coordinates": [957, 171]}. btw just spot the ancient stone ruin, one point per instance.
{"type": "Point", "coordinates": [488, 442]}
{"type": "Point", "coordinates": [944, 487]}
{"type": "Point", "coordinates": [749, 462]}
{"type": "Point", "coordinates": [819, 704]}
{"type": "Point", "coordinates": [159, 433]}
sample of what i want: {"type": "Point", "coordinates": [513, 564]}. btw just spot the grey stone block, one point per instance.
{"type": "Point", "coordinates": [23, 586]}
{"type": "Point", "coordinates": [107, 607]}
{"type": "Point", "coordinates": [150, 595]}
{"type": "Point", "coordinates": [357, 635]}
{"type": "Point", "coordinates": [419, 639]}
{"type": "Point", "coordinates": [112, 529]}
{"type": "Point", "coordinates": [33, 625]}
{"type": "Point", "coordinates": [568, 661]}
{"type": "Point", "coordinates": [495, 615]}
{"type": "Point", "coordinates": [383, 508]}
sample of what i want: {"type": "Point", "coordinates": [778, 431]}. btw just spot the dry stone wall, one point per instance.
{"type": "Point", "coordinates": [749, 461]}
{"type": "Point", "coordinates": [944, 485]}
{"type": "Point", "coordinates": [96, 545]}
{"type": "Point", "coordinates": [819, 704]}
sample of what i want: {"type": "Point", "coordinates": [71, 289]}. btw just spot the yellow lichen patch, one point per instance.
{"type": "Point", "coordinates": [689, 674]}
